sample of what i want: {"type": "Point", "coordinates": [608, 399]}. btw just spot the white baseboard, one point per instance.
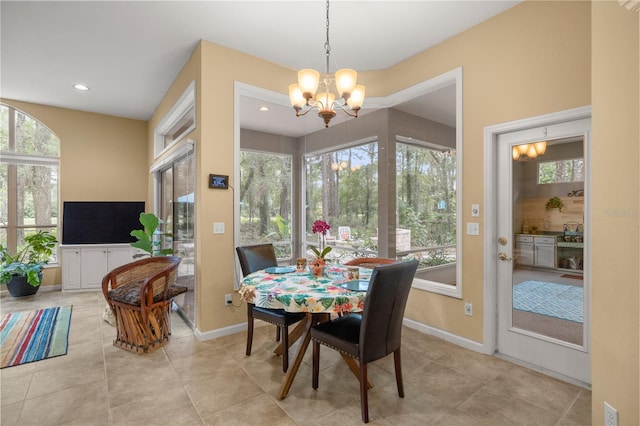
{"type": "Point", "coordinates": [225, 331]}
{"type": "Point", "coordinates": [445, 335]}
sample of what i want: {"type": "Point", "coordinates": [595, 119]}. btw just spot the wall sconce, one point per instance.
{"type": "Point", "coordinates": [528, 151]}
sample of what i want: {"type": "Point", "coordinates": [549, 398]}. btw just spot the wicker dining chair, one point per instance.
{"type": "Point", "coordinates": [374, 334]}
{"type": "Point", "coordinates": [140, 294]}
{"type": "Point", "coordinates": [369, 262]}
{"type": "Point", "coordinates": [254, 258]}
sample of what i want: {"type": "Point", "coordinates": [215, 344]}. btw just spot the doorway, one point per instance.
{"type": "Point", "coordinates": [538, 235]}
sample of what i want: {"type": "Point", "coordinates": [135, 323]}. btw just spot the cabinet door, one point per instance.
{"type": "Point", "coordinates": [524, 254]}
{"type": "Point", "coordinates": [119, 256]}
{"type": "Point", "coordinates": [94, 267]}
{"type": "Point", "coordinates": [545, 256]}
{"type": "Point", "coordinates": [71, 269]}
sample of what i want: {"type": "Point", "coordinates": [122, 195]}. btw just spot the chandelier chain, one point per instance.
{"type": "Point", "coordinates": [327, 46]}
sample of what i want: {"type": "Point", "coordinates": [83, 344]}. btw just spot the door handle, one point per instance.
{"type": "Point", "coordinates": [503, 256]}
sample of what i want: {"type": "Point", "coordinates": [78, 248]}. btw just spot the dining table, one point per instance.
{"type": "Point", "coordinates": [283, 287]}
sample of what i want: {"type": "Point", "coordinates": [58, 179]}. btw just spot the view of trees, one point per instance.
{"type": "Point", "coordinates": [561, 171]}
{"type": "Point", "coordinates": [265, 199]}
{"type": "Point", "coordinates": [426, 201]}
{"type": "Point", "coordinates": [35, 178]}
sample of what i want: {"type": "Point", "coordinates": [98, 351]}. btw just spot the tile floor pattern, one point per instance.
{"type": "Point", "coordinates": [189, 382]}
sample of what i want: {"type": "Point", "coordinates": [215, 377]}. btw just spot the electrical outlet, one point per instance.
{"type": "Point", "coordinates": [468, 309]}
{"type": "Point", "coordinates": [610, 415]}
{"type": "Point", "coordinates": [228, 300]}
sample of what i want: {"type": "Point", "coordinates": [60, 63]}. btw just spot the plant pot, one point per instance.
{"type": "Point", "coordinates": [317, 270]}
{"type": "Point", "coordinates": [19, 287]}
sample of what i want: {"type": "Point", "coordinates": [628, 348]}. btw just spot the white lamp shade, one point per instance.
{"type": "Point", "coordinates": [357, 97]}
{"type": "Point", "coordinates": [522, 149]}
{"type": "Point", "coordinates": [531, 153]}
{"type": "Point", "coordinates": [541, 147]}
{"type": "Point", "coordinates": [346, 81]}
{"type": "Point", "coordinates": [308, 81]}
{"type": "Point", "coordinates": [326, 99]}
{"type": "Point", "coordinates": [295, 96]}
{"type": "Point", "coordinates": [515, 153]}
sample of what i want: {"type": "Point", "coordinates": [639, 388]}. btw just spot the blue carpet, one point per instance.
{"type": "Point", "coordinates": [555, 300]}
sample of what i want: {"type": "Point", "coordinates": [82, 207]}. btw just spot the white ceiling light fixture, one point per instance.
{"type": "Point", "coordinates": [81, 87]}
{"type": "Point", "coordinates": [528, 151]}
{"type": "Point", "coordinates": [303, 94]}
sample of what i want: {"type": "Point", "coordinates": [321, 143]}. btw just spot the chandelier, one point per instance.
{"type": "Point", "coordinates": [528, 151]}
{"type": "Point", "coordinates": [303, 95]}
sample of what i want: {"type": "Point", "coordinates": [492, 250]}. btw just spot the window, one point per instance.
{"type": "Point", "coordinates": [342, 190]}
{"type": "Point", "coordinates": [426, 208]}
{"type": "Point", "coordinates": [29, 170]}
{"type": "Point", "coordinates": [265, 200]}
{"type": "Point", "coordinates": [178, 122]}
{"type": "Point", "coordinates": [561, 171]}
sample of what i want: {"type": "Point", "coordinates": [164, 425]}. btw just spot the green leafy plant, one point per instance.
{"type": "Point", "coordinates": [29, 260]}
{"type": "Point", "coordinates": [554, 203]}
{"type": "Point", "coordinates": [150, 238]}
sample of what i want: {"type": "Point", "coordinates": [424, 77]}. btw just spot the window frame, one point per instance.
{"type": "Point", "coordinates": [14, 159]}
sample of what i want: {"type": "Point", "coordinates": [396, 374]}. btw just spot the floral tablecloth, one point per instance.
{"type": "Point", "coordinates": [302, 292]}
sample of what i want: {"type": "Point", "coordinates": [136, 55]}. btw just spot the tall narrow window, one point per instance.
{"type": "Point", "coordinates": [426, 209]}
{"type": "Point", "coordinates": [265, 200]}
{"type": "Point", "coordinates": [342, 190]}
{"type": "Point", "coordinates": [29, 170]}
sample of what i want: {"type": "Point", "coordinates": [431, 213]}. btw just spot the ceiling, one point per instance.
{"type": "Point", "coordinates": [129, 53]}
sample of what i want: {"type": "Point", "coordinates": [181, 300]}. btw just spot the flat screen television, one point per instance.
{"type": "Point", "coordinates": [100, 222]}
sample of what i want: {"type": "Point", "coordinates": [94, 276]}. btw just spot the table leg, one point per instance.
{"type": "Point", "coordinates": [309, 321]}
{"type": "Point", "coordinates": [294, 335]}
{"type": "Point", "coordinates": [355, 369]}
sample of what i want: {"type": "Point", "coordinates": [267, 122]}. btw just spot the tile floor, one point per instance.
{"type": "Point", "coordinates": [189, 382]}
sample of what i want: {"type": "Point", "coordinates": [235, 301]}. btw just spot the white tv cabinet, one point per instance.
{"type": "Point", "coordinates": [84, 265]}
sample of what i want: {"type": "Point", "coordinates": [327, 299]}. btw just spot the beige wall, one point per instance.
{"type": "Point", "coordinates": [532, 59]}
{"type": "Point", "coordinates": [100, 157]}
{"type": "Point", "coordinates": [616, 212]}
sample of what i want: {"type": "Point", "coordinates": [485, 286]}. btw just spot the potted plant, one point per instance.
{"type": "Point", "coordinates": [22, 272]}
{"type": "Point", "coordinates": [150, 238]}
{"type": "Point", "coordinates": [554, 203]}
{"type": "Point", "coordinates": [316, 265]}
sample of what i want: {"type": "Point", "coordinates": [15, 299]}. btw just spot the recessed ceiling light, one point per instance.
{"type": "Point", "coordinates": [263, 108]}
{"type": "Point", "coordinates": [82, 87]}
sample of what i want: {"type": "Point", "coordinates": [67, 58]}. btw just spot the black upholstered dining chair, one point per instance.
{"type": "Point", "coordinates": [374, 334]}
{"type": "Point", "coordinates": [254, 258]}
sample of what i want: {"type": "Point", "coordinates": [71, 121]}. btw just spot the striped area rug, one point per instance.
{"type": "Point", "coordinates": [30, 336]}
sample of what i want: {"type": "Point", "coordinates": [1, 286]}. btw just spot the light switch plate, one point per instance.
{"type": "Point", "coordinates": [473, 228]}
{"type": "Point", "coordinates": [218, 228]}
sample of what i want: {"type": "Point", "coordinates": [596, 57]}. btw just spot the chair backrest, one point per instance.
{"type": "Point", "coordinates": [381, 327]}
{"type": "Point", "coordinates": [160, 272]}
{"type": "Point", "coordinates": [256, 257]}
{"type": "Point", "coordinates": [366, 261]}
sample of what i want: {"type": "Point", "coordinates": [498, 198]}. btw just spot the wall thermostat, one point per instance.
{"type": "Point", "coordinates": [219, 181]}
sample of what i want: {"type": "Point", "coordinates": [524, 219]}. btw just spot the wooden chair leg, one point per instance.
{"type": "Point", "coordinates": [249, 329]}
{"type": "Point", "coordinates": [285, 348]}
{"type": "Point", "coordinates": [364, 400]}
{"type": "Point", "coordinates": [398, 364]}
{"type": "Point", "coordinates": [277, 334]}
{"type": "Point", "coordinates": [316, 365]}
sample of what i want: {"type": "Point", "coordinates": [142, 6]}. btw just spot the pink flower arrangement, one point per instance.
{"type": "Point", "coordinates": [321, 228]}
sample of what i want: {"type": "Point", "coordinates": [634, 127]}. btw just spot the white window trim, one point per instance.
{"type": "Point", "coordinates": [179, 109]}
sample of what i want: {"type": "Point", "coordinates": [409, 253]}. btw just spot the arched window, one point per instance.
{"type": "Point", "coordinates": [29, 172]}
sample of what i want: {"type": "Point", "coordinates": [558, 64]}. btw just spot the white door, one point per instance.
{"type": "Point", "coordinates": [543, 315]}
